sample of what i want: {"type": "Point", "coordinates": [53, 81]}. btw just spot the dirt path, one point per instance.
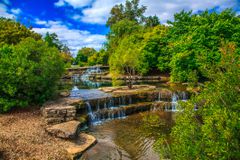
{"type": "Point", "coordinates": [23, 137]}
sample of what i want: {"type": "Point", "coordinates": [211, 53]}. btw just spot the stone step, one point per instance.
{"type": "Point", "coordinates": [76, 150]}
{"type": "Point", "coordinates": [67, 130]}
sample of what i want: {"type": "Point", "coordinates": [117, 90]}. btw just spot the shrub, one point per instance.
{"type": "Point", "coordinates": [29, 72]}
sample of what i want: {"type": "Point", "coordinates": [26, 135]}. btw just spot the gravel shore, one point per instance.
{"type": "Point", "coordinates": [23, 137]}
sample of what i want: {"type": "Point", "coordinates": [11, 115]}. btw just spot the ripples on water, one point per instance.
{"type": "Point", "coordinates": [125, 139]}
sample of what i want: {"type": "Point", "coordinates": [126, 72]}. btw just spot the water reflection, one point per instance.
{"type": "Point", "coordinates": [131, 138]}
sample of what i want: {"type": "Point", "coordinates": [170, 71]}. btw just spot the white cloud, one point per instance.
{"type": "Point", "coordinates": [73, 3]}
{"type": "Point", "coordinates": [4, 11]}
{"type": "Point", "coordinates": [40, 22]}
{"type": "Point", "coordinates": [99, 11]}
{"type": "Point", "coordinates": [165, 9]}
{"type": "Point", "coordinates": [16, 11]}
{"type": "Point", "coordinates": [74, 38]}
{"type": "Point", "coordinates": [59, 3]}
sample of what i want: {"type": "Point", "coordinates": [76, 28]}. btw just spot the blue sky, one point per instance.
{"type": "Point", "coordinates": [81, 23]}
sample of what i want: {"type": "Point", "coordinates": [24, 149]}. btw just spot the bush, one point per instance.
{"type": "Point", "coordinates": [29, 72]}
{"type": "Point", "coordinates": [211, 132]}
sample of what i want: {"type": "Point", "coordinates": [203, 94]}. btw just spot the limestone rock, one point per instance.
{"type": "Point", "coordinates": [64, 130]}
{"type": "Point", "coordinates": [76, 150]}
{"type": "Point", "coordinates": [64, 93]}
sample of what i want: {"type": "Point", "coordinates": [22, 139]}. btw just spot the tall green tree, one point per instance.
{"type": "Point", "coordinates": [53, 41]}
{"type": "Point", "coordinates": [12, 32]}
{"type": "Point", "coordinates": [130, 11]}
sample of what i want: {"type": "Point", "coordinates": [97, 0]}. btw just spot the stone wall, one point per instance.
{"type": "Point", "coordinates": [59, 114]}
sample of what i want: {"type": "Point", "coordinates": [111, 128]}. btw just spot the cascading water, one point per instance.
{"type": "Point", "coordinates": [90, 112]}
{"type": "Point", "coordinates": [74, 92]}
{"type": "Point", "coordinates": [106, 110]}
{"type": "Point", "coordinates": [85, 77]}
{"type": "Point", "coordinates": [174, 102]}
{"type": "Point", "coordinates": [159, 96]}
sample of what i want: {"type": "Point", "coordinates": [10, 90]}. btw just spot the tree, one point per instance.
{"type": "Point", "coordinates": [127, 59]}
{"type": "Point", "coordinates": [152, 21]}
{"type": "Point", "coordinates": [194, 41]}
{"type": "Point", "coordinates": [130, 11]}
{"type": "Point", "coordinates": [155, 48]}
{"type": "Point", "coordinates": [98, 58]}
{"type": "Point", "coordinates": [12, 32]}
{"type": "Point", "coordinates": [83, 55]}
{"type": "Point", "coordinates": [29, 72]}
{"type": "Point", "coordinates": [53, 41]}
{"type": "Point", "coordinates": [211, 132]}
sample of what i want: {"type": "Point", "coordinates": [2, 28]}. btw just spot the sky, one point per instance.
{"type": "Point", "coordinates": [81, 23]}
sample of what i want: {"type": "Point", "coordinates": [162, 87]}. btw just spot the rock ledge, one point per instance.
{"type": "Point", "coordinates": [76, 150]}
{"type": "Point", "coordinates": [64, 130]}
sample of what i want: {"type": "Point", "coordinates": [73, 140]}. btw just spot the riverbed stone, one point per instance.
{"type": "Point", "coordinates": [64, 130]}
{"type": "Point", "coordinates": [76, 150]}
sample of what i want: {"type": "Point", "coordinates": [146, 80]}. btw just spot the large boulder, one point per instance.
{"type": "Point", "coordinates": [64, 130]}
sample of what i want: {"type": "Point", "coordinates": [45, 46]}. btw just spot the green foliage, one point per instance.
{"type": "Point", "coordinates": [53, 41]}
{"type": "Point", "coordinates": [29, 72]}
{"type": "Point", "coordinates": [98, 58]}
{"type": "Point", "coordinates": [152, 21]}
{"type": "Point", "coordinates": [155, 48]}
{"type": "Point", "coordinates": [12, 32]}
{"type": "Point", "coordinates": [212, 132]}
{"type": "Point", "coordinates": [130, 11]}
{"type": "Point", "coordinates": [83, 55]}
{"type": "Point", "coordinates": [127, 58]}
{"type": "Point", "coordinates": [195, 39]}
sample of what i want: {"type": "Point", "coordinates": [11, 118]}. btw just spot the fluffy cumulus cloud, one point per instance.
{"type": "Point", "coordinates": [98, 11]}
{"type": "Point", "coordinates": [73, 3]}
{"type": "Point", "coordinates": [74, 38]}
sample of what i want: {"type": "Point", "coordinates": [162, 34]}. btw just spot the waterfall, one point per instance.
{"type": "Point", "coordinates": [75, 78]}
{"type": "Point", "coordinates": [85, 77]}
{"type": "Point", "coordinates": [90, 112]}
{"type": "Point", "coordinates": [98, 107]}
{"type": "Point", "coordinates": [105, 105]}
{"type": "Point", "coordinates": [159, 96]}
{"type": "Point", "coordinates": [74, 92]}
{"type": "Point", "coordinates": [111, 103]}
{"type": "Point", "coordinates": [174, 101]}
{"type": "Point", "coordinates": [123, 100]}
{"type": "Point", "coordinates": [130, 100]}
{"type": "Point", "coordinates": [119, 101]}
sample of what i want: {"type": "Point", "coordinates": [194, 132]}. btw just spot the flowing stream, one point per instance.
{"type": "Point", "coordinates": [126, 139]}
{"type": "Point", "coordinates": [121, 136]}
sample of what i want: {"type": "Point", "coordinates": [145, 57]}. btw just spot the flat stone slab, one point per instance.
{"type": "Point", "coordinates": [64, 130]}
{"type": "Point", "coordinates": [76, 150]}
{"type": "Point", "coordinates": [125, 89]}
